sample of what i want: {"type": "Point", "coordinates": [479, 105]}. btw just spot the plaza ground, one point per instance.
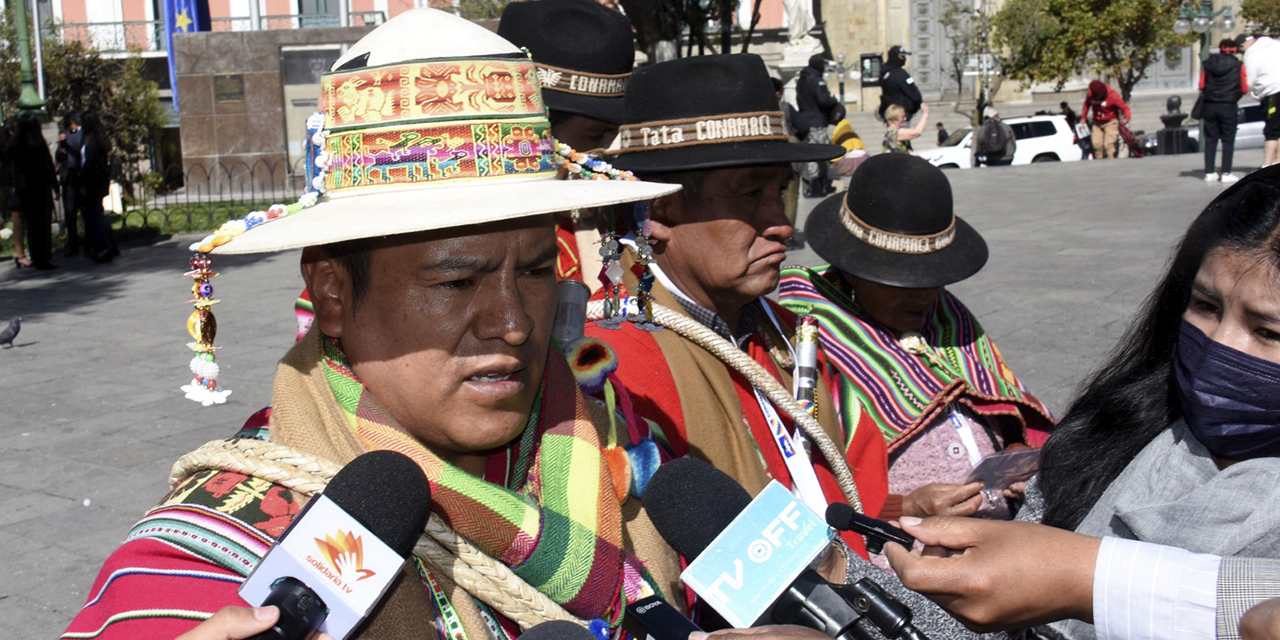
{"type": "Point", "coordinates": [93, 418]}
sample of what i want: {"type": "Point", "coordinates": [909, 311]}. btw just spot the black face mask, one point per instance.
{"type": "Point", "coordinates": [1230, 399]}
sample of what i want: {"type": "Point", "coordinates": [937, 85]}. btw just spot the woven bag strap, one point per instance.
{"type": "Point", "coordinates": [439, 546]}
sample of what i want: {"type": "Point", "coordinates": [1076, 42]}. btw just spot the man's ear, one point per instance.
{"type": "Point", "coordinates": [330, 289]}
{"type": "Point", "coordinates": [664, 215]}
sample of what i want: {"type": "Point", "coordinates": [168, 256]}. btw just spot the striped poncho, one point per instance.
{"type": "Point", "coordinates": [905, 390]}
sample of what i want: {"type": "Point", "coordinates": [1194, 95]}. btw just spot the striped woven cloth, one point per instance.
{"type": "Point", "coordinates": [560, 529]}
{"type": "Point", "coordinates": [903, 391]}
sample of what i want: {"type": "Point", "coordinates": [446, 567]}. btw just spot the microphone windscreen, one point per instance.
{"type": "Point", "coordinates": [691, 502]}
{"type": "Point", "coordinates": [361, 488]}
{"type": "Point", "coordinates": [839, 515]}
{"type": "Point", "coordinates": [557, 630]}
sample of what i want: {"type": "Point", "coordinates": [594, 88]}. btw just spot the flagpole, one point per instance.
{"type": "Point", "coordinates": [35, 9]}
{"type": "Point", "coordinates": [29, 101]}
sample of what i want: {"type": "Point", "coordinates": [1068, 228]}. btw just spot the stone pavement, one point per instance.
{"type": "Point", "coordinates": [93, 417]}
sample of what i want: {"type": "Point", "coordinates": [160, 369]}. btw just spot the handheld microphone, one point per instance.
{"type": "Point", "coordinates": [342, 552]}
{"type": "Point", "coordinates": [843, 517]}
{"type": "Point", "coordinates": [707, 516]}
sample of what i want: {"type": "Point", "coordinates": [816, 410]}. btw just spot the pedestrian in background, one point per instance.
{"type": "Point", "coordinates": [1081, 132]}
{"type": "Point", "coordinates": [942, 134]}
{"type": "Point", "coordinates": [898, 137]}
{"type": "Point", "coordinates": [1262, 72]}
{"type": "Point", "coordinates": [897, 86]}
{"type": "Point", "coordinates": [35, 181]}
{"type": "Point", "coordinates": [1109, 112]}
{"type": "Point", "coordinates": [9, 195]}
{"type": "Point", "coordinates": [1222, 82]}
{"type": "Point", "coordinates": [817, 111]}
{"type": "Point", "coordinates": [95, 184]}
{"type": "Point", "coordinates": [993, 143]}
{"type": "Point", "coordinates": [67, 157]}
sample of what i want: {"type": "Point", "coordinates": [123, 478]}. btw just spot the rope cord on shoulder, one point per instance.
{"type": "Point", "coordinates": [440, 546]}
{"type": "Point", "coordinates": [731, 355]}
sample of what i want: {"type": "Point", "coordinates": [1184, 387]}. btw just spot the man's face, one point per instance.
{"type": "Point", "coordinates": [584, 133]}
{"type": "Point", "coordinates": [453, 332]}
{"type": "Point", "coordinates": [725, 249]}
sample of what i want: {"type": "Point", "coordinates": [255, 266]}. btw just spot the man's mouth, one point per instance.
{"type": "Point", "coordinates": [494, 377]}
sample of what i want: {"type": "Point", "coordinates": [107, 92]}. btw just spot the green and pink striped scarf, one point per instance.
{"type": "Point", "coordinates": [903, 391]}
{"type": "Point", "coordinates": [559, 527]}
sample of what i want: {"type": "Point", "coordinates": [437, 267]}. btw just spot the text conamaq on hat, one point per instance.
{"type": "Point", "coordinates": [708, 130]}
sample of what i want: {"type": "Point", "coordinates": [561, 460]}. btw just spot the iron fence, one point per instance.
{"type": "Point", "coordinates": [201, 197]}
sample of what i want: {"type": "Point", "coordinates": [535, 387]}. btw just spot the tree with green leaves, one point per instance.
{"type": "Point", "coordinates": [77, 77]}
{"type": "Point", "coordinates": [1055, 40]}
{"type": "Point", "coordinates": [1263, 13]}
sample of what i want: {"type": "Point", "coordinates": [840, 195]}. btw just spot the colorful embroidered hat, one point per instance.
{"type": "Point", "coordinates": [896, 226]}
{"type": "Point", "coordinates": [584, 53]}
{"type": "Point", "coordinates": [430, 122]}
{"type": "Point", "coordinates": [706, 112]}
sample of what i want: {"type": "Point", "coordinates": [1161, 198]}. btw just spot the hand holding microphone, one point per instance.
{"type": "Point", "coordinates": [238, 623]}
{"type": "Point", "coordinates": [996, 575]}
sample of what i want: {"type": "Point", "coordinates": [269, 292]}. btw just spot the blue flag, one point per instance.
{"type": "Point", "coordinates": [182, 16]}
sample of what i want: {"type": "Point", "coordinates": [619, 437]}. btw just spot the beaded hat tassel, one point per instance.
{"type": "Point", "coordinates": [201, 324]}
{"type": "Point", "coordinates": [203, 327]}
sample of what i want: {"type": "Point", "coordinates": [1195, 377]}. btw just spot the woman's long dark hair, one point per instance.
{"type": "Point", "coordinates": [1133, 396]}
{"type": "Point", "coordinates": [91, 123]}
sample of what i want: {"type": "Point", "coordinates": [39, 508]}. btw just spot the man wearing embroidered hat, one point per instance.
{"type": "Point", "coordinates": [709, 255]}
{"type": "Point", "coordinates": [429, 258]}
{"type": "Point", "coordinates": [909, 353]}
{"type": "Point", "coordinates": [584, 53]}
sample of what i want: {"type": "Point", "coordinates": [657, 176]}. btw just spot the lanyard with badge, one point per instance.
{"type": "Point", "coordinates": [794, 448]}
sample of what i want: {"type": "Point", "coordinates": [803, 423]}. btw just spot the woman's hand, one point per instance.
{"type": "Point", "coordinates": [780, 632]}
{"type": "Point", "coordinates": [1262, 622]}
{"type": "Point", "coordinates": [238, 623]}
{"type": "Point", "coordinates": [1016, 491]}
{"type": "Point", "coordinates": [996, 575]}
{"type": "Point", "coordinates": [939, 499]}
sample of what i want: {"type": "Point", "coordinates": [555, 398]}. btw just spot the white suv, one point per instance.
{"type": "Point", "coordinates": [1044, 138]}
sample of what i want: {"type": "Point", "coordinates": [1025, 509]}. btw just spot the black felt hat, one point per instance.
{"type": "Point", "coordinates": [896, 226]}
{"type": "Point", "coordinates": [584, 53]}
{"type": "Point", "coordinates": [707, 112]}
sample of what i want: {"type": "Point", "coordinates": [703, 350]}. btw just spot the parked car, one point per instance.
{"type": "Point", "coordinates": [1042, 138]}
{"type": "Point", "coordinates": [1248, 134]}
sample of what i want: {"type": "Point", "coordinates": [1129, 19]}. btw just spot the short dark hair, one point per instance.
{"type": "Point", "coordinates": [356, 258]}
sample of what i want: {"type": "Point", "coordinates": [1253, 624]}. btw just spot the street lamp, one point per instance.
{"type": "Point", "coordinates": [1199, 17]}
{"type": "Point", "coordinates": [842, 70]}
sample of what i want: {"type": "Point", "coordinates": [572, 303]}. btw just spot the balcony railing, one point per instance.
{"type": "Point", "coordinates": [149, 35]}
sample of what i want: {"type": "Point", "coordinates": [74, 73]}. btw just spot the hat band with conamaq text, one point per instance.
{"type": "Point", "coordinates": [688, 132]}
{"type": "Point", "coordinates": [433, 122]}
{"type": "Point", "coordinates": [582, 83]}
{"type": "Point", "coordinates": [896, 242]}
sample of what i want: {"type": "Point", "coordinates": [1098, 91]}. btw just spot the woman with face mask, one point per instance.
{"type": "Point", "coordinates": [1166, 467]}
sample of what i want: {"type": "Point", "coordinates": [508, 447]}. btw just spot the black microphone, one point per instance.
{"type": "Point", "coordinates": [843, 517]}
{"type": "Point", "coordinates": [691, 502]}
{"type": "Point", "coordinates": [557, 630]}
{"type": "Point", "coordinates": [341, 554]}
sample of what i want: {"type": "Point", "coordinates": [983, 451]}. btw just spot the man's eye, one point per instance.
{"type": "Point", "coordinates": [541, 272]}
{"type": "Point", "coordinates": [1204, 307]}
{"type": "Point", "coordinates": [1268, 335]}
{"type": "Point", "coordinates": [463, 283]}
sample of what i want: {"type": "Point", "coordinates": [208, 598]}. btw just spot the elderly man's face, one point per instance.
{"type": "Point", "coordinates": [725, 249]}
{"type": "Point", "coordinates": [453, 332]}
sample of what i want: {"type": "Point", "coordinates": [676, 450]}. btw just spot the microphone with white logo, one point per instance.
{"type": "Point", "coordinates": [750, 558]}
{"type": "Point", "coordinates": [342, 552]}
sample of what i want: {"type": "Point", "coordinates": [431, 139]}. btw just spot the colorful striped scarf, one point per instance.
{"type": "Point", "coordinates": [904, 390]}
{"type": "Point", "coordinates": [559, 527]}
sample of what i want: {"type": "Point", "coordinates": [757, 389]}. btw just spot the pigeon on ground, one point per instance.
{"type": "Point", "coordinates": [7, 336]}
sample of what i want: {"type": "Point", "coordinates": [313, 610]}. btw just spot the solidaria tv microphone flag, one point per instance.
{"type": "Point", "coordinates": [342, 552]}
{"type": "Point", "coordinates": [182, 16]}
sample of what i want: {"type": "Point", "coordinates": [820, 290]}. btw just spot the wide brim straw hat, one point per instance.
{"type": "Point", "coordinates": [895, 225]}
{"type": "Point", "coordinates": [430, 122]}
{"type": "Point", "coordinates": [584, 52]}
{"type": "Point", "coordinates": [707, 112]}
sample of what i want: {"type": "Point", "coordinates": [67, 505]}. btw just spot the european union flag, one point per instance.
{"type": "Point", "coordinates": [182, 16]}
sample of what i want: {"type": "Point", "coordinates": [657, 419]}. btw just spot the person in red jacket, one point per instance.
{"type": "Point", "coordinates": [1109, 112]}
{"type": "Point", "coordinates": [711, 124]}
